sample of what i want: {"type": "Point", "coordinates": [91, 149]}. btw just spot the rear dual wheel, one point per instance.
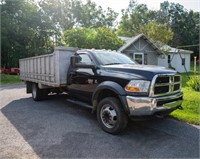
{"type": "Point", "coordinates": [37, 93]}
{"type": "Point", "coordinates": [111, 116]}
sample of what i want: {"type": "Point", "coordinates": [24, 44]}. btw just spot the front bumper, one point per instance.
{"type": "Point", "coordinates": [141, 106]}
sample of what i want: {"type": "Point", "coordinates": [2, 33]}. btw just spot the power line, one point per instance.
{"type": "Point", "coordinates": [187, 46]}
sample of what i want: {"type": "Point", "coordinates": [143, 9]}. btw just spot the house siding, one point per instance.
{"type": "Point", "coordinates": [142, 46]}
{"type": "Point", "coordinates": [176, 62]}
{"type": "Point", "coordinates": [179, 67]}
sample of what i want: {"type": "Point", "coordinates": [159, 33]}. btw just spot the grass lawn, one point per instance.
{"type": "Point", "coordinates": [191, 103]}
{"type": "Point", "coordinates": [9, 79]}
{"type": "Point", "coordinates": [190, 112]}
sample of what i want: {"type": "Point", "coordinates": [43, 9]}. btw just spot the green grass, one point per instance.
{"type": "Point", "coordinates": [191, 103]}
{"type": "Point", "coordinates": [190, 112]}
{"type": "Point", "coordinates": [9, 79]}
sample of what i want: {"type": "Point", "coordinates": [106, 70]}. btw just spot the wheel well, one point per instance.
{"type": "Point", "coordinates": [28, 87]}
{"type": "Point", "coordinates": [106, 93]}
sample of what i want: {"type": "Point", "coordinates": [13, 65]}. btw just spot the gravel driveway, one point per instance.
{"type": "Point", "coordinates": [56, 129]}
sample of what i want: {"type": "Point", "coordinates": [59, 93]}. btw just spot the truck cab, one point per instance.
{"type": "Point", "coordinates": [117, 88]}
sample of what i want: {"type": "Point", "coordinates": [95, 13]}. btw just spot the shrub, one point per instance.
{"type": "Point", "coordinates": [194, 83]}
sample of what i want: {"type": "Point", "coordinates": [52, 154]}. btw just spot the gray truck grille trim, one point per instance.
{"type": "Point", "coordinates": [165, 84]}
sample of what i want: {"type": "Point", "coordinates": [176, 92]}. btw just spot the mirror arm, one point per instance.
{"type": "Point", "coordinates": [78, 65]}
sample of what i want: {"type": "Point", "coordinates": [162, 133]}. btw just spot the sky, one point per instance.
{"type": "Point", "coordinates": [118, 5]}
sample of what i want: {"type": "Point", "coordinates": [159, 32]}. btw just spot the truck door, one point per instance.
{"type": "Point", "coordinates": [83, 80]}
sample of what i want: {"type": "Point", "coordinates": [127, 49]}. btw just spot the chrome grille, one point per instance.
{"type": "Point", "coordinates": [165, 84]}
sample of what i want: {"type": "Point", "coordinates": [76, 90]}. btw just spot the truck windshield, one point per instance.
{"type": "Point", "coordinates": [112, 58]}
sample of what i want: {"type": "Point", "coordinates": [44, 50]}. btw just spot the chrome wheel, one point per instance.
{"type": "Point", "coordinates": [108, 116]}
{"type": "Point", "coordinates": [111, 116]}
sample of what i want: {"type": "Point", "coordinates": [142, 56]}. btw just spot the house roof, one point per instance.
{"type": "Point", "coordinates": [124, 38]}
{"type": "Point", "coordinates": [170, 49]}
{"type": "Point", "coordinates": [130, 41]}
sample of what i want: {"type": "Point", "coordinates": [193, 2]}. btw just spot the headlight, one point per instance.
{"type": "Point", "coordinates": [138, 86]}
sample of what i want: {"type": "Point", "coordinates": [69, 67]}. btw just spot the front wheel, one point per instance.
{"type": "Point", "coordinates": [111, 115]}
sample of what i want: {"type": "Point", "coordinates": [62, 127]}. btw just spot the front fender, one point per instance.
{"type": "Point", "coordinates": [114, 87]}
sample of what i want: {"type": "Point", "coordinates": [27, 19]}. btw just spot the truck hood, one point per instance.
{"type": "Point", "coordinates": [132, 71]}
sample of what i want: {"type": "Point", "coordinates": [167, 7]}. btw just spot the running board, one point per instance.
{"type": "Point", "coordinates": [79, 103]}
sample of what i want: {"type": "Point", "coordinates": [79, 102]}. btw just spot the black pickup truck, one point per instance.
{"type": "Point", "coordinates": [117, 88]}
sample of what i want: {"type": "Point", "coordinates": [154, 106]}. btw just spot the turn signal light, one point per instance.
{"type": "Point", "coordinates": [132, 89]}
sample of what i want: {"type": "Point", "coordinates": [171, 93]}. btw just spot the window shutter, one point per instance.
{"type": "Point", "coordinates": [145, 59]}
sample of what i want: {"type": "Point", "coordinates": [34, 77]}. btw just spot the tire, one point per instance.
{"type": "Point", "coordinates": [111, 116]}
{"type": "Point", "coordinates": [36, 92]}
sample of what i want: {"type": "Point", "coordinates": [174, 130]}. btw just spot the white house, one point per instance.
{"type": "Point", "coordinates": [180, 59]}
{"type": "Point", "coordinates": [144, 51]}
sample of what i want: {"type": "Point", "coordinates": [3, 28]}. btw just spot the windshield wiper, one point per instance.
{"type": "Point", "coordinates": [113, 63]}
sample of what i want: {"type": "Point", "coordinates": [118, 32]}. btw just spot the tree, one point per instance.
{"type": "Point", "coordinates": [107, 39]}
{"type": "Point", "coordinates": [73, 13]}
{"type": "Point", "coordinates": [135, 16]}
{"type": "Point", "coordinates": [138, 19]}
{"type": "Point", "coordinates": [24, 31]}
{"type": "Point", "coordinates": [79, 37]}
{"type": "Point", "coordinates": [99, 38]}
{"type": "Point", "coordinates": [184, 24]}
{"type": "Point", "coordinates": [90, 15]}
{"type": "Point", "coordinates": [60, 12]}
{"type": "Point", "coordinates": [159, 33]}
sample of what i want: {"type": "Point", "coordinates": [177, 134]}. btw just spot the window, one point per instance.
{"type": "Point", "coordinates": [169, 58]}
{"type": "Point", "coordinates": [139, 58]}
{"type": "Point", "coordinates": [85, 59]}
{"type": "Point", "coordinates": [183, 61]}
{"type": "Point", "coordinates": [109, 58]}
{"type": "Point", "coordinates": [145, 59]}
